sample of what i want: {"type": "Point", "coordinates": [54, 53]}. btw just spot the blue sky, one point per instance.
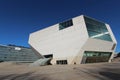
{"type": "Point", "coordinates": [19, 18]}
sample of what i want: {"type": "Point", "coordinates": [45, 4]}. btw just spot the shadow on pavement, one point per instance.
{"type": "Point", "coordinates": [110, 75]}
{"type": "Point", "coordinates": [25, 76]}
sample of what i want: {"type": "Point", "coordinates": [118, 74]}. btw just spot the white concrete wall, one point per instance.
{"type": "Point", "coordinates": [98, 45]}
{"type": "Point", "coordinates": [62, 44]}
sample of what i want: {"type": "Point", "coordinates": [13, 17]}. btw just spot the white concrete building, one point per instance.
{"type": "Point", "coordinates": [76, 41]}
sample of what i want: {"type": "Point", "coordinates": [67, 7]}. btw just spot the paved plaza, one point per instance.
{"type": "Point", "coordinates": [98, 71]}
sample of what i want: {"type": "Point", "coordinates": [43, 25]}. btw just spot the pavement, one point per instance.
{"type": "Point", "coordinates": [96, 71]}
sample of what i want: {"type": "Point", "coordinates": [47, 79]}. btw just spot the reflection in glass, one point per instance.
{"type": "Point", "coordinates": [65, 24]}
{"type": "Point", "coordinates": [97, 29]}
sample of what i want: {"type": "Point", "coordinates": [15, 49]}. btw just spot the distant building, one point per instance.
{"type": "Point", "coordinates": [79, 40]}
{"type": "Point", "coordinates": [17, 54]}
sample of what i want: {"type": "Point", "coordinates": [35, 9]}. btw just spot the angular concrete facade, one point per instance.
{"type": "Point", "coordinates": [75, 41]}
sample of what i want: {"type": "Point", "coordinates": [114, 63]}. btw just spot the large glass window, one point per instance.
{"type": "Point", "coordinates": [65, 24]}
{"type": "Point", "coordinates": [98, 54]}
{"type": "Point", "coordinates": [97, 29]}
{"type": "Point", "coordinates": [94, 57]}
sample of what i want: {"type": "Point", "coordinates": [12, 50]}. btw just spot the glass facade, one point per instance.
{"type": "Point", "coordinates": [65, 24]}
{"type": "Point", "coordinates": [13, 53]}
{"type": "Point", "coordinates": [98, 54]}
{"type": "Point", "coordinates": [94, 57]}
{"type": "Point", "coordinates": [97, 29]}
